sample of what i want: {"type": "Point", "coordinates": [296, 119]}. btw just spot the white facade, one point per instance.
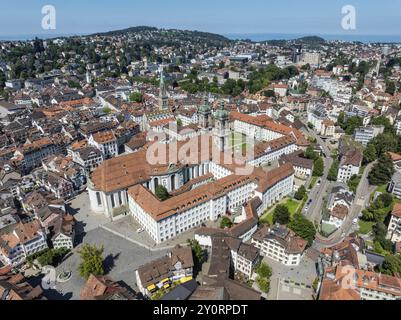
{"type": "Point", "coordinates": [394, 229]}
{"type": "Point", "coordinates": [275, 250]}
{"type": "Point", "coordinates": [63, 241]}
{"type": "Point", "coordinates": [346, 172]}
{"type": "Point", "coordinates": [255, 132]}
{"type": "Point", "coordinates": [22, 250]}
{"type": "Point", "coordinates": [272, 155]}
{"type": "Point", "coordinates": [109, 149]}
{"type": "Point", "coordinates": [212, 209]}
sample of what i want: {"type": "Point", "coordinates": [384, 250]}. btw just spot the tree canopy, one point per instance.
{"type": "Point", "coordinates": [301, 193]}
{"type": "Point", "coordinates": [162, 193]}
{"type": "Point", "coordinates": [281, 215]}
{"type": "Point", "coordinates": [91, 261]}
{"type": "Point", "coordinates": [382, 171]}
{"type": "Point", "coordinates": [303, 228]}
{"type": "Point", "coordinates": [318, 167]}
{"type": "Point", "coordinates": [225, 223]}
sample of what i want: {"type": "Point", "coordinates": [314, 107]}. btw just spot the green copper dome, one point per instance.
{"type": "Point", "coordinates": [222, 113]}
{"type": "Point", "coordinates": [205, 108]}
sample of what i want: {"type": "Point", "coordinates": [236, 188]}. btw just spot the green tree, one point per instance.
{"type": "Point", "coordinates": [268, 93]}
{"type": "Point", "coordinates": [106, 110]}
{"type": "Point", "coordinates": [91, 261]}
{"type": "Point", "coordinates": [310, 154]}
{"type": "Point", "coordinates": [179, 122]}
{"type": "Point", "coordinates": [352, 123]}
{"type": "Point", "coordinates": [225, 223]}
{"type": "Point", "coordinates": [386, 142]}
{"type": "Point", "coordinates": [370, 153]}
{"type": "Point", "coordinates": [197, 252]}
{"type": "Point", "coordinates": [264, 270]}
{"type": "Point", "coordinates": [263, 284]}
{"type": "Point", "coordinates": [353, 183]}
{"type": "Point", "coordinates": [382, 171]}
{"type": "Point", "coordinates": [341, 119]}
{"type": "Point", "coordinates": [318, 167]}
{"type": "Point", "coordinates": [382, 121]}
{"type": "Point", "coordinates": [301, 193]}
{"type": "Point", "coordinates": [303, 228]}
{"type": "Point", "coordinates": [281, 214]}
{"type": "Point", "coordinates": [136, 97]}
{"type": "Point", "coordinates": [333, 172]}
{"type": "Point", "coordinates": [390, 87]}
{"type": "Point", "coordinates": [391, 264]}
{"type": "Point", "coordinates": [162, 193]}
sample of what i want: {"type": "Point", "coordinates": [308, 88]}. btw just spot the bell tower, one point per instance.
{"type": "Point", "coordinates": [163, 98]}
{"type": "Point", "coordinates": [221, 131]}
{"type": "Point", "coordinates": [205, 115]}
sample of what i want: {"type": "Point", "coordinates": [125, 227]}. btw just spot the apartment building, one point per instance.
{"type": "Point", "coordinates": [350, 165]}
{"type": "Point", "coordinates": [106, 142]}
{"type": "Point", "coordinates": [359, 285]}
{"type": "Point", "coordinates": [176, 266]}
{"type": "Point", "coordinates": [33, 153]}
{"type": "Point", "coordinates": [365, 134]}
{"type": "Point", "coordinates": [394, 186]}
{"type": "Point", "coordinates": [394, 227]}
{"type": "Point", "coordinates": [23, 241]}
{"type": "Point", "coordinates": [280, 244]}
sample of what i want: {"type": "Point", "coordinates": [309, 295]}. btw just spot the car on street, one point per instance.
{"type": "Point", "coordinates": [140, 230]}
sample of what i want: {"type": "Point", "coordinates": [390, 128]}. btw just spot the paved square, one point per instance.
{"type": "Point", "coordinates": [122, 258]}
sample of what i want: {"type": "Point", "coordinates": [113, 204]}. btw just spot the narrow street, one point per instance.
{"type": "Point", "coordinates": [319, 192]}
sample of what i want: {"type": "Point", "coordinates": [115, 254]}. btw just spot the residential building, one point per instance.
{"type": "Point", "coordinates": [394, 227]}
{"type": "Point", "coordinates": [23, 241]}
{"type": "Point", "coordinates": [394, 186]}
{"type": "Point", "coordinates": [365, 134]}
{"type": "Point", "coordinates": [280, 244]}
{"type": "Point", "coordinates": [104, 288]}
{"type": "Point", "coordinates": [350, 165]}
{"type": "Point", "coordinates": [106, 142]}
{"type": "Point", "coordinates": [360, 285]}
{"type": "Point", "coordinates": [177, 266]}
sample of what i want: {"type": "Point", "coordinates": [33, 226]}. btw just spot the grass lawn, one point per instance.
{"type": "Point", "coordinates": [382, 189]}
{"type": "Point", "coordinates": [291, 204]}
{"type": "Point", "coordinates": [365, 227]}
{"type": "Point", "coordinates": [238, 141]}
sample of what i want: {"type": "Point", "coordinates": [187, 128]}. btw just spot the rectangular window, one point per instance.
{"type": "Point", "coordinates": [119, 198]}
{"type": "Point", "coordinates": [112, 201]}
{"type": "Point", "coordinates": [99, 200]}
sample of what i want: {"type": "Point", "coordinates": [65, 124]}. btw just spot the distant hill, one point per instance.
{"type": "Point", "coordinates": [311, 40]}
{"type": "Point", "coordinates": [184, 33]}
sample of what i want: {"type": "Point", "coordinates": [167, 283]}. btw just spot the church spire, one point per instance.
{"type": "Point", "coordinates": [163, 98]}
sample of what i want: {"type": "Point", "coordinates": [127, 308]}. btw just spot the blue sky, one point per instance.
{"type": "Point", "coordinates": [23, 17]}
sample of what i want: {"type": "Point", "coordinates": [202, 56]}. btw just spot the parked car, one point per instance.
{"type": "Point", "coordinates": [140, 230]}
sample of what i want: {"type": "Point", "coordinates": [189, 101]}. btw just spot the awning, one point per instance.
{"type": "Point", "coordinates": [151, 287]}
{"type": "Point", "coordinates": [186, 279]}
